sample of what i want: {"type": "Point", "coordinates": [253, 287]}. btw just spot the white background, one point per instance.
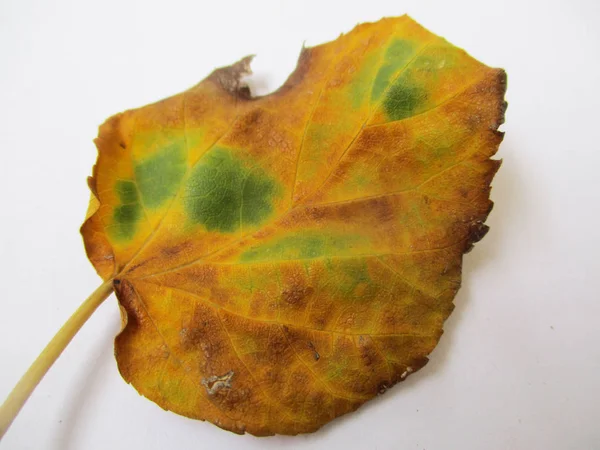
{"type": "Point", "coordinates": [519, 364]}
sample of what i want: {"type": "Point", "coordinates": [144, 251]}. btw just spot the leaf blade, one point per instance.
{"type": "Point", "coordinates": [303, 255]}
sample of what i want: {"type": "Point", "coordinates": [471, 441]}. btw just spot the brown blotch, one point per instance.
{"type": "Point", "coordinates": [367, 354]}
{"type": "Point", "coordinates": [252, 119]}
{"type": "Point", "coordinates": [319, 322]}
{"type": "Point", "coordinates": [315, 214]}
{"type": "Point", "coordinates": [346, 212]}
{"type": "Point", "coordinates": [476, 232]}
{"type": "Point", "coordinates": [230, 78]}
{"type": "Point", "coordinates": [127, 298]}
{"type": "Point", "coordinates": [203, 332]}
{"type": "Point", "coordinates": [140, 264]}
{"type": "Point", "coordinates": [259, 131]}
{"type": "Point", "coordinates": [205, 274]}
{"type": "Point", "coordinates": [174, 250]}
{"type": "Point", "coordinates": [296, 294]}
{"type": "Point", "coordinates": [300, 378]}
{"type": "Point", "coordinates": [237, 400]}
{"type": "Point", "coordinates": [132, 317]}
{"type": "Point", "coordinates": [382, 209]}
{"type": "Point", "coordinates": [278, 345]}
{"type": "Point", "coordinates": [502, 85]}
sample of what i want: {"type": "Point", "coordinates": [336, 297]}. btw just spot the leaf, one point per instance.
{"type": "Point", "coordinates": [281, 260]}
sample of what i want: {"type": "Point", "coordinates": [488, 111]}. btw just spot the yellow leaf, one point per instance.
{"type": "Point", "coordinates": [281, 260]}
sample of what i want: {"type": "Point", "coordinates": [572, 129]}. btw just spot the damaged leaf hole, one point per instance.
{"type": "Point", "coordinates": [215, 383]}
{"type": "Point", "coordinates": [406, 373]}
{"type": "Point", "coordinates": [267, 72]}
{"type": "Point", "coordinates": [315, 352]}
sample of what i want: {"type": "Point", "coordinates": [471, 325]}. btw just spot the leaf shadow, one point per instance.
{"type": "Point", "coordinates": [508, 194]}
{"type": "Point", "coordinates": [78, 400]}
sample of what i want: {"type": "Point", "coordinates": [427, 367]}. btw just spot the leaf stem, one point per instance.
{"type": "Point", "coordinates": [21, 392]}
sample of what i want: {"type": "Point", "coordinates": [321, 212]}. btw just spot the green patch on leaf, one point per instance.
{"type": "Point", "coordinates": [225, 194]}
{"type": "Point", "coordinates": [397, 56]}
{"type": "Point", "coordinates": [127, 192]}
{"type": "Point", "coordinates": [355, 274]}
{"type": "Point", "coordinates": [159, 176]}
{"type": "Point", "coordinates": [126, 215]}
{"type": "Point", "coordinates": [307, 245]}
{"type": "Point", "coordinates": [361, 83]}
{"type": "Point", "coordinates": [403, 99]}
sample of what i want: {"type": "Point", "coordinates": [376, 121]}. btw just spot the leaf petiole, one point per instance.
{"type": "Point", "coordinates": [21, 392]}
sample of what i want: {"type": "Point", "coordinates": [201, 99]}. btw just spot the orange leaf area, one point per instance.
{"type": "Point", "coordinates": [281, 260]}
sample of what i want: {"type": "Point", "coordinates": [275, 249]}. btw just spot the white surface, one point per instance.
{"type": "Point", "coordinates": [519, 365]}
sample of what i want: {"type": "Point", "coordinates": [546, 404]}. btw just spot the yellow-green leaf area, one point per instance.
{"type": "Point", "coordinates": [128, 212]}
{"type": "Point", "coordinates": [398, 55]}
{"type": "Point", "coordinates": [305, 245]}
{"type": "Point", "coordinates": [159, 175]}
{"type": "Point", "coordinates": [225, 194]}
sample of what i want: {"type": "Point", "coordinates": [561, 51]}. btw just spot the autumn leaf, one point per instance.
{"type": "Point", "coordinates": [281, 260]}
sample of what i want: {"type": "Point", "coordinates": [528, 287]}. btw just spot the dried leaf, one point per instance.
{"type": "Point", "coordinates": [281, 260]}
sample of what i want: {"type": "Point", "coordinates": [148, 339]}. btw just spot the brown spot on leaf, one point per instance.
{"type": "Point", "coordinates": [476, 232]}
{"type": "Point", "coordinates": [382, 209]}
{"type": "Point", "coordinates": [296, 294]}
